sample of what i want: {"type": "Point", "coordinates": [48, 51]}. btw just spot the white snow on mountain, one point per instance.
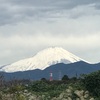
{"type": "Point", "coordinates": [42, 60]}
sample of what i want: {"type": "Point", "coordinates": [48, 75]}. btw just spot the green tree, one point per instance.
{"type": "Point", "coordinates": [65, 78]}
{"type": "Point", "coordinates": [92, 83]}
{"type": "Point", "coordinates": [43, 79]}
{"type": "Point", "coordinates": [1, 80]}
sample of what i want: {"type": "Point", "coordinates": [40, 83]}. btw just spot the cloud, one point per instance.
{"type": "Point", "coordinates": [20, 47]}
{"type": "Point", "coordinates": [28, 26]}
{"type": "Point", "coordinates": [84, 25]}
{"type": "Point", "coordinates": [16, 11]}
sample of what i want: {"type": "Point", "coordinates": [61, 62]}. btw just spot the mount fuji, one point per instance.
{"type": "Point", "coordinates": [55, 59]}
{"type": "Point", "coordinates": [42, 60]}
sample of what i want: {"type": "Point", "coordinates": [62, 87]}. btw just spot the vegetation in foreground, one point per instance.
{"type": "Point", "coordinates": [87, 87]}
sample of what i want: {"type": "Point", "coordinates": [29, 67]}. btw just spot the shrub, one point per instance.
{"type": "Point", "coordinates": [92, 83]}
{"type": "Point", "coordinates": [65, 78]}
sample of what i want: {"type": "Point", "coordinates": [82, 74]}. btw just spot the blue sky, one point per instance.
{"type": "Point", "coordinates": [28, 26]}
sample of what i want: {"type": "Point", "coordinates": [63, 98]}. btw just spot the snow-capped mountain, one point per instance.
{"type": "Point", "coordinates": [42, 60]}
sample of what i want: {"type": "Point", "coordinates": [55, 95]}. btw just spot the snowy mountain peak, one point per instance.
{"type": "Point", "coordinates": [42, 60]}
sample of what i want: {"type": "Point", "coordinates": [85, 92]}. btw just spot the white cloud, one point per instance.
{"type": "Point", "coordinates": [27, 28]}
{"type": "Point", "coordinates": [17, 47]}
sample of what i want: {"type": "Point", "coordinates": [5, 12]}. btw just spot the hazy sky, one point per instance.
{"type": "Point", "coordinates": [28, 26]}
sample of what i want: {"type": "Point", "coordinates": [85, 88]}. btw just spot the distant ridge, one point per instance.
{"type": "Point", "coordinates": [66, 69]}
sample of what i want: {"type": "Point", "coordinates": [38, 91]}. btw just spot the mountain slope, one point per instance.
{"type": "Point", "coordinates": [42, 60]}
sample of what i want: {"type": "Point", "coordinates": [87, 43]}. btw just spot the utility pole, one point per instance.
{"type": "Point", "coordinates": [60, 76]}
{"type": "Point", "coordinates": [51, 76]}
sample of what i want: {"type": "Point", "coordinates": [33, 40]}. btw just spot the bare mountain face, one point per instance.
{"type": "Point", "coordinates": [42, 60]}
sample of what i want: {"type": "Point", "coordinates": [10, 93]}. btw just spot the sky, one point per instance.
{"type": "Point", "coordinates": [29, 26]}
